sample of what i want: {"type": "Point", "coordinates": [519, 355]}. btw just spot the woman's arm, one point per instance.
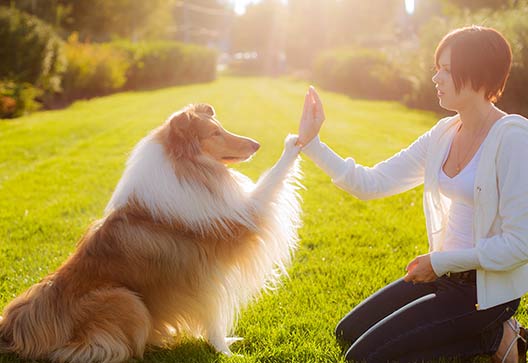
{"type": "Point", "coordinates": [402, 172]}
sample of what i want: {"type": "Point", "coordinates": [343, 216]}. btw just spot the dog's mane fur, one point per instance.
{"type": "Point", "coordinates": [200, 194]}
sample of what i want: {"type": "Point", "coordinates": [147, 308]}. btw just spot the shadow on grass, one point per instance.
{"type": "Point", "coordinates": [344, 345]}
{"type": "Point", "coordinates": [187, 352]}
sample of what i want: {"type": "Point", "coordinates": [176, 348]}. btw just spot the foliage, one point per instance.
{"type": "Point", "coordinates": [202, 21]}
{"type": "Point", "coordinates": [93, 70]}
{"type": "Point", "coordinates": [515, 28]}
{"type": "Point", "coordinates": [30, 51]}
{"type": "Point", "coordinates": [510, 22]}
{"type": "Point", "coordinates": [53, 12]}
{"type": "Point", "coordinates": [96, 69]}
{"type": "Point", "coordinates": [17, 99]}
{"type": "Point", "coordinates": [302, 29]}
{"type": "Point", "coordinates": [101, 20]}
{"type": "Point", "coordinates": [317, 25]}
{"type": "Point", "coordinates": [359, 72]}
{"type": "Point", "coordinates": [165, 63]}
{"type": "Point", "coordinates": [479, 4]}
{"type": "Point", "coordinates": [262, 33]}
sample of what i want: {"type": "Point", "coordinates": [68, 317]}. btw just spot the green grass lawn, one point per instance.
{"type": "Point", "coordinates": [58, 170]}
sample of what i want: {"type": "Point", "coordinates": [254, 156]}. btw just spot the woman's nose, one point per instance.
{"type": "Point", "coordinates": [435, 78]}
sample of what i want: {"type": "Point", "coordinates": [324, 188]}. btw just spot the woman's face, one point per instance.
{"type": "Point", "coordinates": [448, 97]}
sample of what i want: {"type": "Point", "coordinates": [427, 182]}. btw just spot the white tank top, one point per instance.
{"type": "Point", "coordinates": [459, 189]}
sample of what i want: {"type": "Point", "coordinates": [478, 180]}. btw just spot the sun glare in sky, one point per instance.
{"type": "Point", "coordinates": [409, 6]}
{"type": "Point", "coordinates": [240, 5]}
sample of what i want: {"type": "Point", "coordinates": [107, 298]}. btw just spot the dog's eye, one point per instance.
{"type": "Point", "coordinates": [217, 133]}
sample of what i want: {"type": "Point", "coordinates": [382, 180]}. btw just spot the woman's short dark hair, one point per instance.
{"type": "Point", "coordinates": [479, 55]}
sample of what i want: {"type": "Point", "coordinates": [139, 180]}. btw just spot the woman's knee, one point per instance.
{"type": "Point", "coordinates": [358, 352]}
{"type": "Point", "coordinates": [347, 329]}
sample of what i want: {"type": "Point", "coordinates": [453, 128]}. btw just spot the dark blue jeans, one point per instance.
{"type": "Point", "coordinates": [408, 322]}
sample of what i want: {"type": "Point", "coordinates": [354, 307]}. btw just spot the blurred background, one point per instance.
{"type": "Point", "coordinates": [53, 52]}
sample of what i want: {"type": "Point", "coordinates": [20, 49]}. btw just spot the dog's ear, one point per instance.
{"type": "Point", "coordinates": [204, 108]}
{"type": "Point", "coordinates": [182, 142]}
{"type": "Point", "coordinates": [180, 121]}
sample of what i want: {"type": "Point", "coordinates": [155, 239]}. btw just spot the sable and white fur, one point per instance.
{"type": "Point", "coordinates": [185, 243]}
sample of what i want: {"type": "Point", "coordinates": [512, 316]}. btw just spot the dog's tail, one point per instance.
{"type": "Point", "coordinates": [29, 324]}
{"type": "Point", "coordinates": [4, 344]}
{"type": "Point", "coordinates": [4, 347]}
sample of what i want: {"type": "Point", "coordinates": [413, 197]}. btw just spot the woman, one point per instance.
{"type": "Point", "coordinates": [459, 299]}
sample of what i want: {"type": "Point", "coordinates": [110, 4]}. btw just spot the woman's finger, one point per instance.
{"type": "Point", "coordinates": [411, 265]}
{"type": "Point", "coordinates": [408, 277]}
{"type": "Point", "coordinates": [306, 107]}
{"type": "Point", "coordinates": [319, 111]}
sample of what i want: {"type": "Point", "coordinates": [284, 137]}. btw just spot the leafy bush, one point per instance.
{"type": "Point", "coordinates": [93, 70]}
{"type": "Point", "coordinates": [515, 28]}
{"type": "Point", "coordinates": [17, 99]}
{"type": "Point", "coordinates": [165, 63]}
{"type": "Point", "coordinates": [30, 51]}
{"type": "Point", "coordinates": [359, 72]}
{"type": "Point", "coordinates": [511, 23]}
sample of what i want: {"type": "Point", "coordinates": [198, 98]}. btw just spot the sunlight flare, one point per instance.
{"type": "Point", "coordinates": [409, 6]}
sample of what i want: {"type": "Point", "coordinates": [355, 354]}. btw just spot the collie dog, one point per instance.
{"type": "Point", "coordinates": [184, 244]}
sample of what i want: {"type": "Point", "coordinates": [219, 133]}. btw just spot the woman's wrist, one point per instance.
{"type": "Point", "coordinates": [311, 143]}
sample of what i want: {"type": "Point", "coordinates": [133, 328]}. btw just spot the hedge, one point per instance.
{"type": "Point", "coordinates": [93, 70]}
{"type": "Point", "coordinates": [30, 51]}
{"type": "Point", "coordinates": [511, 23]}
{"type": "Point", "coordinates": [359, 72]}
{"type": "Point", "coordinates": [166, 63]}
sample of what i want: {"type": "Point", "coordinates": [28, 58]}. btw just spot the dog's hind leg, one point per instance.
{"type": "Point", "coordinates": [113, 325]}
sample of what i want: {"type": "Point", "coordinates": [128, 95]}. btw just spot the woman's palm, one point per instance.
{"type": "Point", "coordinates": [312, 117]}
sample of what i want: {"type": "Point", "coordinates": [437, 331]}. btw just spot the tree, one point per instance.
{"type": "Point", "coordinates": [473, 5]}
{"type": "Point", "coordinates": [202, 21]}
{"type": "Point", "coordinates": [315, 25]}
{"type": "Point", "coordinates": [261, 29]}
{"type": "Point", "coordinates": [101, 20]}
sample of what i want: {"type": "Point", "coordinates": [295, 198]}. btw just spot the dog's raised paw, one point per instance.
{"type": "Point", "coordinates": [290, 142]}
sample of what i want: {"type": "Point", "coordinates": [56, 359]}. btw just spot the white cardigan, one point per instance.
{"type": "Point", "coordinates": [500, 223]}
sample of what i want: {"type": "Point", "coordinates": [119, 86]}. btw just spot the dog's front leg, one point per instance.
{"type": "Point", "coordinates": [285, 170]}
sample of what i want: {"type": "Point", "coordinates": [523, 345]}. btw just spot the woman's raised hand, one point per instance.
{"type": "Point", "coordinates": [312, 117]}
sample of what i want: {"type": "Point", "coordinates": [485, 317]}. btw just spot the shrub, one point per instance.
{"type": "Point", "coordinates": [166, 63]}
{"type": "Point", "coordinates": [511, 23]}
{"type": "Point", "coordinates": [359, 72]}
{"type": "Point", "coordinates": [515, 28]}
{"type": "Point", "coordinates": [17, 99]}
{"type": "Point", "coordinates": [93, 70]}
{"type": "Point", "coordinates": [30, 51]}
